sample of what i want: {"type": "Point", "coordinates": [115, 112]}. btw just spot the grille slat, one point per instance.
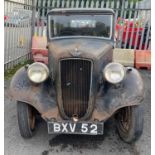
{"type": "Point", "coordinates": [75, 86]}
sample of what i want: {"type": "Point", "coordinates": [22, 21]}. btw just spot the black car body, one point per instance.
{"type": "Point", "coordinates": [76, 91]}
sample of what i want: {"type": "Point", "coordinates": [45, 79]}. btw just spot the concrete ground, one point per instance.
{"type": "Point", "coordinates": [44, 144]}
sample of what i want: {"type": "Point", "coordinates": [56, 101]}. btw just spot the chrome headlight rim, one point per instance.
{"type": "Point", "coordinates": [119, 66]}
{"type": "Point", "coordinates": [43, 70]}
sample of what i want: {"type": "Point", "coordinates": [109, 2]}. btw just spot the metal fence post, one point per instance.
{"type": "Point", "coordinates": [33, 16]}
{"type": "Point", "coordinates": [33, 23]}
{"type": "Point", "coordinates": [118, 42]}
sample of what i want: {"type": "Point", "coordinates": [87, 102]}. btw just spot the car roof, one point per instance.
{"type": "Point", "coordinates": [81, 10]}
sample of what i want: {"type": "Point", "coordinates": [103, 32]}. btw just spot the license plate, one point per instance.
{"type": "Point", "coordinates": [75, 128]}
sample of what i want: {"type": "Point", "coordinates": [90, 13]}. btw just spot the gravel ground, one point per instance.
{"type": "Point", "coordinates": [44, 144]}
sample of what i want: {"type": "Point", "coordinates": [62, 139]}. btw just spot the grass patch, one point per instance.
{"type": "Point", "coordinates": [10, 72]}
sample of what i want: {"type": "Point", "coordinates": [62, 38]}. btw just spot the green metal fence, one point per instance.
{"type": "Point", "coordinates": [127, 36]}
{"type": "Point", "coordinates": [18, 32]}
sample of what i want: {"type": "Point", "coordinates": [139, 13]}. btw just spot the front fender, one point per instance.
{"type": "Point", "coordinates": [129, 93]}
{"type": "Point", "coordinates": [39, 96]}
{"type": "Point", "coordinates": [43, 99]}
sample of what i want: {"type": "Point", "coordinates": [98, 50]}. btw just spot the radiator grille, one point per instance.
{"type": "Point", "coordinates": [75, 85]}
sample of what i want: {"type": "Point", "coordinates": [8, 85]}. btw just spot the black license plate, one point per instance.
{"type": "Point", "coordinates": [95, 128]}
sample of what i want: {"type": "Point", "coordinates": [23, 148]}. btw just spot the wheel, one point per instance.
{"type": "Point", "coordinates": [26, 119]}
{"type": "Point", "coordinates": [130, 123]}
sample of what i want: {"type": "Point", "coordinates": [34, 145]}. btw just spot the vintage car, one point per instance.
{"type": "Point", "coordinates": [80, 88]}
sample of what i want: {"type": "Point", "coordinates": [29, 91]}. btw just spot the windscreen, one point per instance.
{"type": "Point", "coordinates": [80, 25]}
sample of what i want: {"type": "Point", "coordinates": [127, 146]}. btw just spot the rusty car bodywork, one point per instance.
{"type": "Point", "coordinates": [104, 98]}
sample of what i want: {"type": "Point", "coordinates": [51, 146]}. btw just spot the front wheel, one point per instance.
{"type": "Point", "coordinates": [130, 123]}
{"type": "Point", "coordinates": [26, 119]}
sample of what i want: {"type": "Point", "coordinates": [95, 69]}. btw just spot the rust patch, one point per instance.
{"type": "Point", "coordinates": [51, 114]}
{"type": "Point", "coordinates": [99, 115]}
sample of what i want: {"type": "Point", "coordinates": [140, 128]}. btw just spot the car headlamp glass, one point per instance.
{"type": "Point", "coordinates": [38, 72]}
{"type": "Point", "coordinates": [114, 72]}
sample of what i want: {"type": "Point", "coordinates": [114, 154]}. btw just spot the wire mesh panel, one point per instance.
{"type": "Point", "coordinates": [17, 27]}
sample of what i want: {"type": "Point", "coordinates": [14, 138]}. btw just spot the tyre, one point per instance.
{"type": "Point", "coordinates": [130, 123]}
{"type": "Point", "coordinates": [26, 119]}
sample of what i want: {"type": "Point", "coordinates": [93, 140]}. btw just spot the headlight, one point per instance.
{"type": "Point", "coordinates": [114, 72]}
{"type": "Point", "coordinates": [37, 72]}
